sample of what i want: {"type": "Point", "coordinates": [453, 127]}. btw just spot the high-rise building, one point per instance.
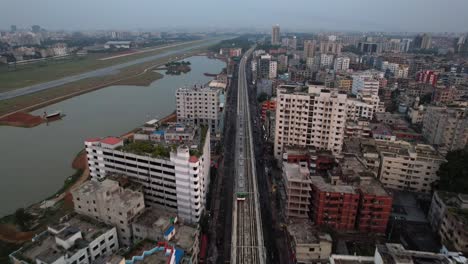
{"type": "Point", "coordinates": [426, 41]}
{"type": "Point", "coordinates": [110, 203]}
{"type": "Point", "coordinates": [447, 216]}
{"type": "Point", "coordinates": [341, 64]}
{"type": "Point", "coordinates": [332, 47]}
{"type": "Point", "coordinates": [309, 116]}
{"type": "Point", "coordinates": [201, 105]}
{"type": "Point", "coordinates": [13, 28]}
{"type": "Point", "coordinates": [36, 28]}
{"type": "Point", "coordinates": [172, 163]}
{"type": "Point", "coordinates": [309, 48]}
{"type": "Point", "coordinates": [446, 127]}
{"type": "Point", "coordinates": [275, 35]}
{"type": "Point", "coordinates": [292, 44]}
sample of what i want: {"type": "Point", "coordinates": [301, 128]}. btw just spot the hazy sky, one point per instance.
{"type": "Point", "coordinates": [363, 15]}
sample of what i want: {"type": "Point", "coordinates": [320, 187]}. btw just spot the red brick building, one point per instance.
{"type": "Point", "coordinates": [429, 77]}
{"type": "Point", "coordinates": [268, 105]}
{"type": "Point", "coordinates": [334, 206]}
{"type": "Point", "coordinates": [375, 206]}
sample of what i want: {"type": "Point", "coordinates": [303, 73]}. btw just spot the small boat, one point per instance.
{"type": "Point", "coordinates": [55, 114]}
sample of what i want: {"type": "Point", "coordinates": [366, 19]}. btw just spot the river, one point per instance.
{"type": "Point", "coordinates": [35, 161]}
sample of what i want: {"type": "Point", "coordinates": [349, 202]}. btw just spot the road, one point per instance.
{"type": "Point", "coordinates": [96, 73]}
{"type": "Point", "coordinates": [247, 244]}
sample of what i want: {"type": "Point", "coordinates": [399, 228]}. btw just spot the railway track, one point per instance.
{"type": "Point", "coordinates": [247, 236]}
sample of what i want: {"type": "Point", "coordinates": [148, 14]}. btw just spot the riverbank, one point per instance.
{"type": "Point", "coordinates": [132, 75]}
{"type": "Point", "coordinates": [60, 201]}
{"type": "Point", "coordinates": [21, 119]}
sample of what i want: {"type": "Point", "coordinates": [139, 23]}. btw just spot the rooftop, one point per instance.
{"type": "Point", "coordinates": [319, 182]}
{"type": "Point", "coordinates": [296, 172]}
{"type": "Point", "coordinates": [303, 232]}
{"type": "Point", "coordinates": [156, 218]}
{"type": "Point", "coordinates": [185, 237]}
{"type": "Point", "coordinates": [45, 247]}
{"type": "Point", "coordinates": [124, 197]}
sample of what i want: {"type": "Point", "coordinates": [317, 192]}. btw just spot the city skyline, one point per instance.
{"type": "Point", "coordinates": [416, 16]}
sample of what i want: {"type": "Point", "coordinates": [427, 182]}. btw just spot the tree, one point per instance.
{"type": "Point", "coordinates": [454, 173]}
{"type": "Point", "coordinates": [23, 219]}
{"type": "Point", "coordinates": [262, 97]}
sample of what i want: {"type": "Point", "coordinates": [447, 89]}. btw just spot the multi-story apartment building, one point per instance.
{"type": "Point", "coordinates": [296, 179]}
{"type": "Point", "coordinates": [107, 201]}
{"type": "Point", "coordinates": [171, 162]}
{"type": "Point", "coordinates": [344, 83]}
{"type": "Point", "coordinates": [446, 127]}
{"type": "Point", "coordinates": [396, 254]}
{"type": "Point", "coordinates": [273, 70]}
{"type": "Point", "coordinates": [201, 105]}
{"type": "Point", "coordinates": [375, 206]}
{"type": "Point", "coordinates": [308, 244]}
{"type": "Point", "coordinates": [365, 84]}
{"type": "Point", "coordinates": [333, 205]}
{"type": "Point", "coordinates": [429, 77]}
{"type": "Point", "coordinates": [275, 35]}
{"type": "Point", "coordinates": [362, 107]}
{"type": "Point", "coordinates": [309, 48]}
{"type": "Point", "coordinates": [79, 239]}
{"type": "Point", "coordinates": [359, 128]}
{"type": "Point", "coordinates": [448, 216]}
{"type": "Point", "coordinates": [326, 60]}
{"type": "Point", "coordinates": [333, 47]}
{"type": "Point", "coordinates": [341, 64]}
{"type": "Point", "coordinates": [309, 116]}
{"type": "Point", "coordinates": [405, 166]}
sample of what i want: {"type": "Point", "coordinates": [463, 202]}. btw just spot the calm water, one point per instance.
{"type": "Point", "coordinates": [34, 162]}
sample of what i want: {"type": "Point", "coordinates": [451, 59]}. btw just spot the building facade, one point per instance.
{"type": "Point", "coordinates": [172, 163]}
{"type": "Point", "coordinates": [201, 106]}
{"type": "Point", "coordinates": [107, 201]}
{"type": "Point", "coordinates": [311, 116]}
{"type": "Point", "coordinates": [405, 166]}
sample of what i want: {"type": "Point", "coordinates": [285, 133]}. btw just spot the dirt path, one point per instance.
{"type": "Point", "coordinates": [8, 233]}
{"type": "Point", "coordinates": [80, 162]}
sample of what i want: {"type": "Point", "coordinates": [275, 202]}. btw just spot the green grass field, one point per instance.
{"type": "Point", "coordinates": [24, 75]}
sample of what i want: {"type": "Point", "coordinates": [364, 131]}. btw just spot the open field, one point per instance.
{"type": "Point", "coordinates": [132, 75]}
{"type": "Point", "coordinates": [34, 73]}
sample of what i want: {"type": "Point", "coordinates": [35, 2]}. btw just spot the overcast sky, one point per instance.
{"type": "Point", "coordinates": [361, 15]}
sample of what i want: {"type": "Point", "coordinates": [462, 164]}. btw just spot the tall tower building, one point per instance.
{"type": "Point", "coordinates": [426, 42]}
{"type": "Point", "coordinates": [309, 48]}
{"type": "Point", "coordinates": [275, 35]}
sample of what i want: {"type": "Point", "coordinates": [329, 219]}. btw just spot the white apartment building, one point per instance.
{"type": "Point", "coordinates": [273, 70]}
{"type": "Point", "coordinates": [405, 166]}
{"type": "Point", "coordinates": [341, 64]}
{"type": "Point", "coordinates": [172, 164]}
{"type": "Point", "coordinates": [201, 105]}
{"type": "Point", "coordinates": [365, 107]}
{"type": "Point", "coordinates": [326, 60]}
{"type": "Point", "coordinates": [365, 84]}
{"type": "Point", "coordinates": [77, 240]}
{"type": "Point", "coordinates": [107, 201]}
{"type": "Point", "coordinates": [398, 70]}
{"type": "Point", "coordinates": [446, 127]}
{"type": "Point", "coordinates": [309, 116]}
